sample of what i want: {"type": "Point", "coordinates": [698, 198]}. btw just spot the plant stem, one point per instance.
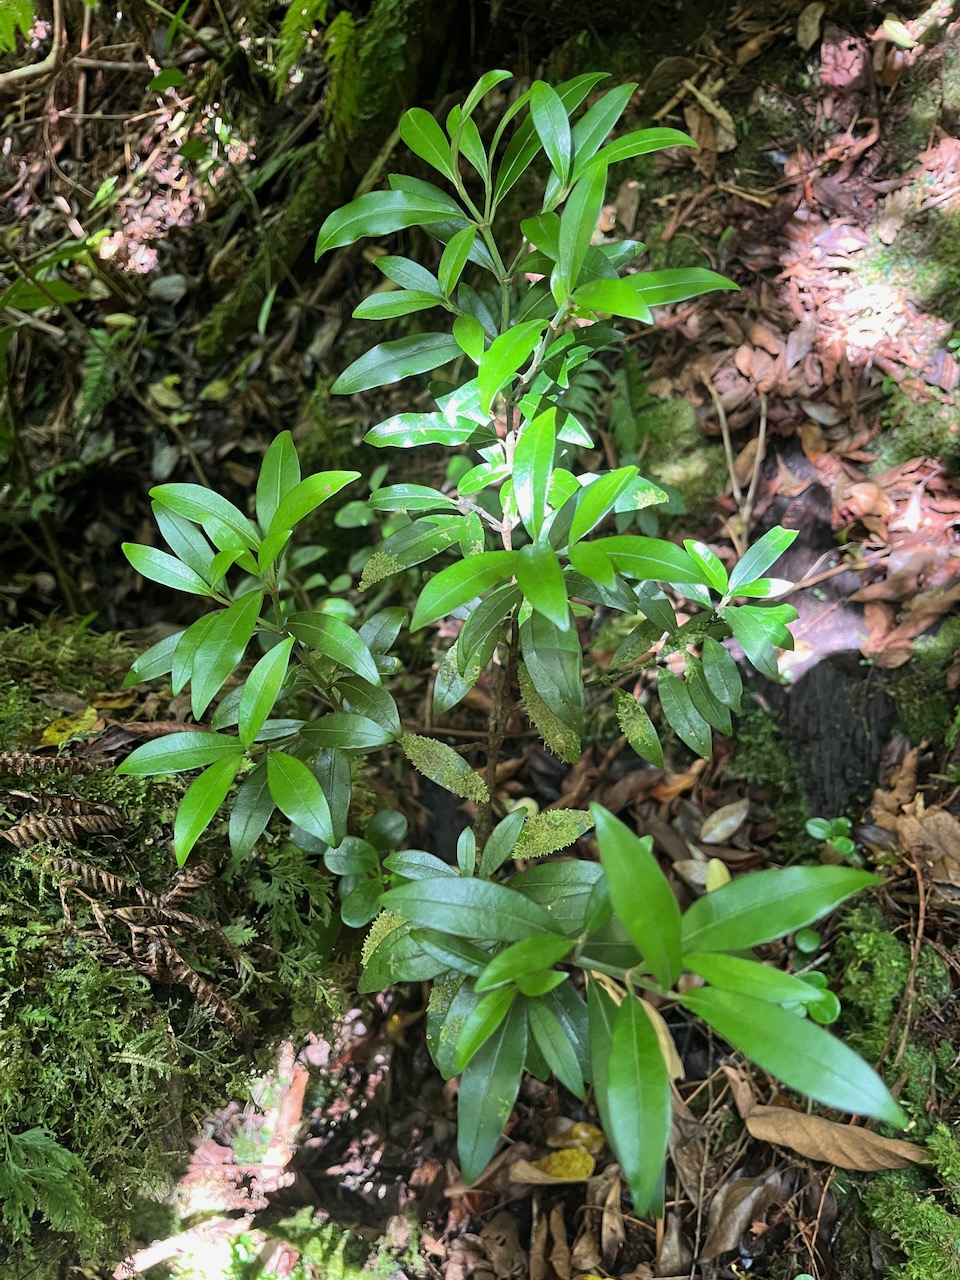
{"type": "Point", "coordinates": [500, 709]}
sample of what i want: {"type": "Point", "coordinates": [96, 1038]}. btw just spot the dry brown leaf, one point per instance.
{"type": "Point", "coordinates": [808, 25]}
{"type": "Point", "coordinates": [839, 1144]}
{"type": "Point", "coordinates": [934, 840]}
{"type": "Point", "coordinates": [737, 1204]}
{"type": "Point", "coordinates": [725, 822]}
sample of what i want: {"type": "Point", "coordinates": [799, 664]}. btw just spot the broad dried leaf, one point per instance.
{"type": "Point", "coordinates": [933, 839]}
{"type": "Point", "coordinates": [839, 1144]}
{"type": "Point", "coordinates": [725, 822]}
{"type": "Point", "coordinates": [737, 1205]}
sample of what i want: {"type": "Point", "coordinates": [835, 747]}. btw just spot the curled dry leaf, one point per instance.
{"type": "Point", "coordinates": [934, 840]}
{"type": "Point", "coordinates": [839, 1144]}
{"type": "Point", "coordinates": [725, 822]}
{"type": "Point", "coordinates": [738, 1203]}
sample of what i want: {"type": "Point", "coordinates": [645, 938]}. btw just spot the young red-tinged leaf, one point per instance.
{"type": "Point", "coordinates": [641, 895]}
{"type": "Point", "coordinates": [578, 222]}
{"type": "Point", "coordinates": [590, 561]}
{"type": "Point", "coordinates": [200, 803]}
{"type": "Point", "coordinates": [722, 674]}
{"type": "Point", "coordinates": [279, 474]}
{"type": "Point", "coordinates": [540, 578]}
{"type": "Point", "coordinates": [598, 499]}
{"type": "Point", "coordinates": [160, 567]}
{"type": "Point", "coordinates": [155, 661]}
{"type": "Point", "coordinates": [682, 716]}
{"type": "Point", "coordinates": [488, 1089]}
{"type": "Point", "coordinates": [454, 258]}
{"type": "Point", "coordinates": [797, 1052]}
{"type": "Point", "coordinates": [502, 359]}
{"type": "Point", "coordinates": [298, 795]}
{"type": "Point", "coordinates": [553, 1042]}
{"type": "Point", "coordinates": [753, 639]}
{"type": "Point", "coordinates": [392, 303]}
{"type": "Point", "coordinates": [262, 689]}
{"type": "Point", "coordinates": [532, 469]}
{"type": "Point", "coordinates": [378, 213]}
{"type": "Point", "coordinates": [482, 1022]}
{"type": "Point", "coordinates": [208, 509]}
{"type": "Point", "coordinates": [761, 556]}
{"type": "Point", "coordinates": [638, 1098]}
{"type": "Point", "coordinates": [649, 559]}
{"type": "Point", "coordinates": [768, 904]}
{"type": "Point", "coordinates": [335, 639]}
{"type": "Point", "coordinates": [178, 753]}
{"type": "Point", "coordinates": [426, 139]}
{"type": "Point", "coordinates": [221, 649]}
{"type": "Point", "coordinates": [252, 810]}
{"type": "Point", "coordinates": [638, 728]}
{"type": "Point", "coordinates": [639, 143]}
{"type": "Point", "coordinates": [470, 908]}
{"type": "Point", "coordinates": [713, 572]}
{"type": "Point", "coordinates": [615, 297]}
{"type": "Point", "coordinates": [389, 362]}
{"type": "Point", "coordinates": [460, 583]}
{"type": "Point", "coordinates": [539, 952]}
{"type": "Point", "coordinates": [553, 128]}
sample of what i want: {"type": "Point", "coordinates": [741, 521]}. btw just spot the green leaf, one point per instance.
{"type": "Point", "coordinates": [348, 732]}
{"type": "Point", "coordinates": [553, 128]}
{"type": "Point", "coordinates": [409, 275]}
{"type": "Point", "coordinates": [532, 469]}
{"type": "Point", "coordinates": [252, 810]}
{"type": "Point", "coordinates": [455, 953]}
{"type": "Point", "coordinates": [544, 233]}
{"type": "Point", "coordinates": [469, 336]}
{"type": "Point", "coordinates": [461, 583]}
{"type": "Point", "coordinates": [388, 304]}
{"type": "Point", "coordinates": [454, 257]}
{"type": "Point", "coordinates": [488, 1090]}
{"type": "Point", "coordinates": [553, 1042]}
{"type": "Point", "coordinates": [485, 621]}
{"type": "Point", "coordinates": [595, 123]}
{"type": "Point", "coordinates": [190, 641]}
{"type": "Point", "coordinates": [379, 213]}
{"type": "Point", "coordinates": [421, 540]}
{"type": "Point", "coordinates": [179, 752]}
{"type": "Point", "coordinates": [761, 556]}
{"type": "Point", "coordinates": [389, 362]}
{"type": "Point", "coordinates": [160, 567]}
{"type": "Point", "coordinates": [553, 658]}
{"type": "Point", "coordinates": [200, 803]}
{"type": "Point", "coordinates": [482, 1021]}
{"type": "Point", "coordinates": [298, 796]}
{"type": "Point", "coordinates": [501, 843]}
{"type": "Point", "coordinates": [169, 78]}
{"type": "Point", "coordinates": [649, 559]}
{"type": "Point", "coordinates": [802, 1055]}
{"type": "Point", "coordinates": [185, 540]}
{"type": "Point", "coordinates": [767, 904]}
{"type": "Point", "coordinates": [541, 580]}
{"type": "Point", "coordinates": [639, 143]}
{"type": "Point", "coordinates": [335, 640]}
{"type": "Point", "coordinates": [753, 639]}
{"type": "Point", "coordinates": [221, 649]}
{"type": "Point", "coordinates": [641, 895]}
{"type": "Point", "coordinates": [733, 973]}
{"type": "Point", "coordinates": [420, 131]}
{"type": "Point", "coordinates": [597, 499]}
{"type": "Point", "coordinates": [711, 566]}
{"type": "Point", "coordinates": [406, 430]}
{"type": "Point", "coordinates": [415, 864]}
{"type": "Point", "coordinates": [360, 905]}
{"type": "Point", "coordinates": [442, 765]}
{"type": "Point", "coordinates": [470, 908]}
{"type": "Point", "coordinates": [762, 588]}
{"type": "Point", "coordinates": [408, 497]}
{"type": "Point", "coordinates": [638, 728]}
{"type": "Point", "coordinates": [578, 222]}
{"type": "Point", "coordinates": [542, 951]}
{"type": "Point", "coordinates": [638, 1097]}
{"type": "Point", "coordinates": [561, 888]}
{"type": "Point", "coordinates": [682, 716]}
{"type": "Point", "coordinates": [676, 284]}
{"type": "Point", "coordinates": [208, 509]}
{"type": "Point", "coordinates": [489, 80]}
{"type": "Point", "coordinates": [705, 703]}
{"type": "Point", "coordinates": [504, 357]}
{"type": "Point", "coordinates": [262, 689]}
{"type": "Point", "coordinates": [155, 661]}
{"type": "Point", "coordinates": [370, 701]}
{"type": "Point", "coordinates": [397, 958]}
{"type": "Point", "coordinates": [722, 674]}
{"type": "Point", "coordinates": [601, 1018]}
{"type": "Point", "coordinates": [279, 475]}
{"type": "Point", "coordinates": [525, 143]}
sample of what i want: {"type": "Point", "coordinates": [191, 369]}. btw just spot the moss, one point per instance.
{"type": "Point", "coordinates": [681, 250]}
{"type": "Point", "coordinates": [926, 1232]}
{"type": "Point", "coordinates": [925, 707]}
{"type": "Point", "coordinates": [762, 757]}
{"type": "Point", "coordinates": [914, 428]}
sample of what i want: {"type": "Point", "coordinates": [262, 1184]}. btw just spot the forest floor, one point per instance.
{"type": "Point", "coordinates": [822, 396]}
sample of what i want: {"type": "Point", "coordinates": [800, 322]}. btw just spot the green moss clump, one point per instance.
{"type": "Point", "coordinates": [927, 1233]}
{"type": "Point", "coordinates": [918, 429]}
{"type": "Point", "coordinates": [763, 758]}
{"type": "Point", "coordinates": [926, 708]}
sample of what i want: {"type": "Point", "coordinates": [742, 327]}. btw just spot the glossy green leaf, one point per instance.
{"type": "Point", "coordinates": [501, 843]}
{"type": "Point", "coordinates": [155, 661]}
{"type": "Point", "coordinates": [676, 284]}
{"type": "Point", "coordinates": [207, 508]}
{"type": "Point", "coordinates": [335, 640]}
{"type": "Point", "coordinates": [347, 731]}
{"type": "Point", "coordinates": [200, 803]}
{"type": "Point", "coordinates": [470, 908]}
{"type": "Point", "coordinates": [541, 580]}
{"type": "Point", "coordinates": [409, 497]}
{"type": "Point", "coordinates": [407, 430]}
{"type": "Point", "coordinates": [533, 468]}
{"type": "Point", "coordinates": [734, 973]}
{"type": "Point", "coordinates": [753, 639]}
{"type": "Point", "coordinates": [716, 714]}
{"type": "Point", "coordinates": [186, 651]}
{"type": "Point", "coordinates": [641, 895]}
{"type": "Point", "coordinates": [595, 123]}
{"type": "Point", "coordinates": [504, 357]}
{"type": "Point", "coordinates": [379, 632]}
{"type": "Point", "coordinates": [542, 951]}
{"type": "Point", "coordinates": [682, 716]}
{"type": "Point", "coordinates": [409, 275]}
{"type": "Point", "coordinates": [598, 499]}
{"type": "Point", "coordinates": [553, 1042]}
{"type": "Point", "coordinates": [423, 135]}
{"type": "Point", "coordinates": [460, 583]}
{"type": "Point", "coordinates": [722, 674]}
{"type": "Point", "coordinates": [562, 888]}
{"type": "Point", "coordinates": [352, 857]}
{"type": "Point", "coordinates": [525, 143]}
{"type": "Point", "coordinates": [601, 1018]}
{"type": "Point", "coordinates": [456, 953]}
{"type": "Point", "coordinates": [638, 1098]}
{"type": "Point", "coordinates": [615, 298]}
{"type": "Point", "coordinates": [489, 80]}
{"type": "Point", "coordinates": [416, 864]}
{"type": "Point", "coordinates": [570, 1010]}
{"type": "Point", "coordinates": [389, 362]}
{"type": "Point", "coordinates": [650, 559]}
{"type": "Point", "coordinates": [298, 796]}
{"type": "Point", "coordinates": [638, 728]}
{"type": "Point", "coordinates": [482, 1021]}
{"type": "Point", "coordinates": [251, 812]}
{"type": "Point", "coordinates": [185, 540]}
{"type": "Point", "coordinates": [360, 905]}
{"type": "Point", "coordinates": [398, 958]}
{"type": "Point", "coordinates": [797, 1052]}
{"type": "Point", "coordinates": [160, 567]}
{"type": "Point", "coordinates": [221, 650]}
{"type": "Point", "coordinates": [371, 701]}
{"type": "Point", "coordinates": [578, 223]}
{"type": "Point", "coordinates": [454, 258]}
{"type": "Point", "coordinates": [711, 566]}
{"type": "Point", "coordinates": [768, 904]}
{"type": "Point", "coordinates": [553, 658]}
{"type": "Point", "coordinates": [389, 304]}
{"type": "Point", "coordinates": [378, 213]}
{"type": "Point", "coordinates": [553, 128]}
{"type": "Point", "coordinates": [485, 621]}
{"type": "Point", "coordinates": [543, 232]}
{"type": "Point", "coordinates": [178, 753]}
{"type": "Point", "coordinates": [639, 143]}
{"type": "Point", "coordinates": [761, 556]}
{"type": "Point", "coordinates": [488, 1089]}
{"type": "Point", "coordinates": [469, 336]}
{"type": "Point", "coordinates": [588, 560]}
{"type": "Point", "coordinates": [262, 688]}
{"type": "Point", "coordinates": [279, 474]}
{"type": "Point", "coordinates": [421, 540]}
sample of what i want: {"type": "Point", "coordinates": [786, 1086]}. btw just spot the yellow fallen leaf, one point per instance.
{"type": "Point", "coordinates": [573, 1164]}
{"type": "Point", "coordinates": [65, 727]}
